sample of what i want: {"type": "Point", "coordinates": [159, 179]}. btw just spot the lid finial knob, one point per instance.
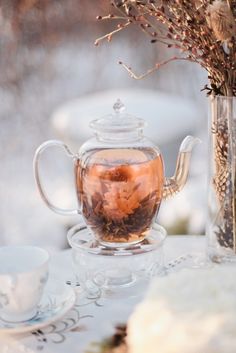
{"type": "Point", "coordinates": [118, 107]}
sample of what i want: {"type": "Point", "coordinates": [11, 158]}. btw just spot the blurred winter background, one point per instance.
{"type": "Point", "coordinates": [53, 80]}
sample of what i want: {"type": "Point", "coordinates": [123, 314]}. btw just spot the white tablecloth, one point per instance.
{"type": "Point", "coordinates": [91, 320]}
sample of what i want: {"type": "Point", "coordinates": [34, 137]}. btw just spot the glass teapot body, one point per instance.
{"type": "Point", "coordinates": [119, 187]}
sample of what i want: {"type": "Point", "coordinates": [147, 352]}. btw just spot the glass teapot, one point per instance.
{"type": "Point", "coordinates": [119, 178]}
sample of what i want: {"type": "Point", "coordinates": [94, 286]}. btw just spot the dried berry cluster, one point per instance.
{"type": "Point", "coordinates": [204, 32]}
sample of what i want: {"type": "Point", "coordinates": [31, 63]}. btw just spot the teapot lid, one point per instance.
{"type": "Point", "coordinates": [119, 121]}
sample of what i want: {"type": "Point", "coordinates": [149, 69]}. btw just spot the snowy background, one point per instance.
{"type": "Point", "coordinates": [47, 59]}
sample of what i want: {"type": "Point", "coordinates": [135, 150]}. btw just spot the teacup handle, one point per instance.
{"type": "Point", "coordinates": [38, 153]}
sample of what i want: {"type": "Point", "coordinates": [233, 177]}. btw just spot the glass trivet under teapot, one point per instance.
{"type": "Point", "coordinates": [119, 178]}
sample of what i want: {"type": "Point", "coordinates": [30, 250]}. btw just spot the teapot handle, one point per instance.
{"type": "Point", "coordinates": [38, 153]}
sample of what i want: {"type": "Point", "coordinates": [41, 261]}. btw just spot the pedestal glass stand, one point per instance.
{"type": "Point", "coordinates": [113, 271]}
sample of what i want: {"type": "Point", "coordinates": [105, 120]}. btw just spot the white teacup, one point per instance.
{"type": "Point", "coordinates": [23, 275]}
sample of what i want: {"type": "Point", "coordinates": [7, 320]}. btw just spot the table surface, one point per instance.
{"type": "Point", "coordinates": [91, 320]}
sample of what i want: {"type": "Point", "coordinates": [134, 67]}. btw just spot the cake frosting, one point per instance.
{"type": "Point", "coordinates": [192, 311]}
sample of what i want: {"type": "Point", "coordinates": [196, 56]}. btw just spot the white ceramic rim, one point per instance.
{"type": "Point", "coordinates": [32, 250]}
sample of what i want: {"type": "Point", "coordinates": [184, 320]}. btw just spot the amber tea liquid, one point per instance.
{"type": "Point", "coordinates": [120, 191]}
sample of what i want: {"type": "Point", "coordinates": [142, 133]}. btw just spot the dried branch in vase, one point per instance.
{"type": "Point", "coordinates": [222, 182]}
{"type": "Point", "coordinates": [204, 32]}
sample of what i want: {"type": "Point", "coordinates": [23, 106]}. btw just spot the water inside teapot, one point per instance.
{"type": "Point", "coordinates": [120, 191]}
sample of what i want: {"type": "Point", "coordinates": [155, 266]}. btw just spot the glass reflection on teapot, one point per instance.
{"type": "Point", "coordinates": [119, 178]}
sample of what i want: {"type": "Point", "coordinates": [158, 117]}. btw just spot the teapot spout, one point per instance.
{"type": "Point", "coordinates": [175, 183]}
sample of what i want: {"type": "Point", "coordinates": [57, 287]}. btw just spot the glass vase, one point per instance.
{"type": "Point", "coordinates": [221, 224]}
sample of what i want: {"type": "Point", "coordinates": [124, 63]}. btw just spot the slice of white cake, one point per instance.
{"type": "Point", "coordinates": [192, 311]}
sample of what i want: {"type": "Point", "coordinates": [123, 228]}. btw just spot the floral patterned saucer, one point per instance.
{"type": "Point", "coordinates": [58, 299]}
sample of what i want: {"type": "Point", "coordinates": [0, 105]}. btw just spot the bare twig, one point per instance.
{"type": "Point", "coordinates": [150, 71]}
{"type": "Point", "coordinates": [108, 36]}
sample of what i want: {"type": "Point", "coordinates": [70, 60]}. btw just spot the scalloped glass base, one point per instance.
{"type": "Point", "coordinates": [109, 270]}
{"type": "Point", "coordinates": [220, 255]}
